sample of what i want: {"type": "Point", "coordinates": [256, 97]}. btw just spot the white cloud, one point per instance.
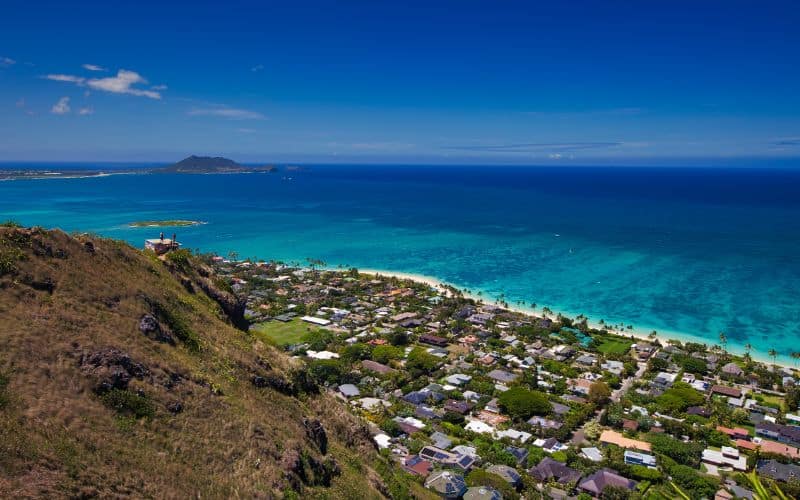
{"type": "Point", "coordinates": [93, 67]}
{"type": "Point", "coordinates": [123, 84]}
{"type": "Point", "coordinates": [231, 113]}
{"type": "Point", "coordinates": [158, 87]}
{"type": "Point", "coordinates": [7, 61]}
{"type": "Point", "coordinates": [257, 68]}
{"type": "Point", "coordinates": [66, 78]}
{"type": "Point", "coordinates": [61, 107]}
{"type": "Point", "coordinates": [86, 111]}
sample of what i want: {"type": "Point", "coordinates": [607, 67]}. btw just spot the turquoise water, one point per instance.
{"type": "Point", "coordinates": [691, 251]}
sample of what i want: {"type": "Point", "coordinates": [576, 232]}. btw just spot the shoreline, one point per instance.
{"type": "Point", "coordinates": [637, 332]}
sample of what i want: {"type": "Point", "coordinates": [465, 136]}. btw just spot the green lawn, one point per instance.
{"type": "Point", "coordinates": [610, 345]}
{"type": "Point", "coordinates": [292, 332]}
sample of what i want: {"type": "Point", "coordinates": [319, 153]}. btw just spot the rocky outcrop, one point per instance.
{"type": "Point", "coordinates": [232, 306]}
{"type": "Point", "coordinates": [316, 433]}
{"type": "Point", "coordinates": [111, 368]}
{"type": "Point", "coordinates": [302, 469]}
{"type": "Point", "coordinates": [151, 328]}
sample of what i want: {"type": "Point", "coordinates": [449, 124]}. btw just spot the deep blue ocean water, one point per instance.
{"type": "Point", "coordinates": [679, 250]}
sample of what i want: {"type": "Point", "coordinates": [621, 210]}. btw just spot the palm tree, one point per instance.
{"type": "Point", "coordinates": [795, 356]}
{"type": "Point", "coordinates": [723, 339]}
{"type": "Point", "coordinates": [773, 354]}
{"type": "Point", "coordinates": [653, 334]}
{"type": "Point", "coordinates": [748, 347]}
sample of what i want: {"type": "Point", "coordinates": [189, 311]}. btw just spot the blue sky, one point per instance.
{"type": "Point", "coordinates": [419, 82]}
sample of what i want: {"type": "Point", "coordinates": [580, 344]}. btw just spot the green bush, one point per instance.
{"type": "Point", "coordinates": [3, 393]}
{"type": "Point", "coordinates": [178, 325]}
{"type": "Point", "coordinates": [181, 258]}
{"type": "Point", "coordinates": [128, 403]}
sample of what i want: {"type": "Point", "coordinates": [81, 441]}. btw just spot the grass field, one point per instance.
{"type": "Point", "coordinates": [609, 345]}
{"type": "Point", "coordinates": [292, 332]}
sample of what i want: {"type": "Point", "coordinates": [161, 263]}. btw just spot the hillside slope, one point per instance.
{"type": "Point", "coordinates": [124, 375]}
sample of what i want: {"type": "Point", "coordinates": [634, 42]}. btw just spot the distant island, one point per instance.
{"type": "Point", "coordinates": [165, 223]}
{"type": "Point", "coordinates": [211, 165]}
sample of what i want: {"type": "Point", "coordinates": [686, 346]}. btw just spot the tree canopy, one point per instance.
{"type": "Point", "coordinates": [523, 403]}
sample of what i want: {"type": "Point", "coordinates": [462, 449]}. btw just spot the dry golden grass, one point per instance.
{"type": "Point", "coordinates": [58, 438]}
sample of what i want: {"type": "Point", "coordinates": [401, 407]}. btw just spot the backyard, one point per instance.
{"type": "Point", "coordinates": [280, 333]}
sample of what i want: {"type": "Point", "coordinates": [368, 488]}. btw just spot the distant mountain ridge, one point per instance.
{"type": "Point", "coordinates": [210, 165]}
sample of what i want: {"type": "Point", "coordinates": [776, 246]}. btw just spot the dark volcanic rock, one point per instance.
{"type": "Point", "coordinates": [111, 369]}
{"type": "Point", "coordinates": [232, 306]}
{"type": "Point", "coordinates": [316, 433]}
{"type": "Point", "coordinates": [43, 285]}
{"type": "Point", "coordinates": [175, 407]}
{"type": "Point", "coordinates": [151, 328]}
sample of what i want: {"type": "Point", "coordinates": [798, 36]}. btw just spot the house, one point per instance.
{"type": "Point", "coordinates": [665, 379]}
{"type": "Point", "coordinates": [614, 437]}
{"type": "Point", "coordinates": [514, 435]}
{"type": "Point", "coordinates": [778, 471]}
{"type": "Point", "coordinates": [479, 427]}
{"type": "Point", "coordinates": [510, 474]}
{"type": "Point", "coordinates": [426, 412]}
{"type": "Point", "coordinates": [466, 450]}
{"type": "Point", "coordinates": [440, 440]}
{"type": "Point", "coordinates": [502, 376]}
{"type": "Point", "coordinates": [586, 360]}
{"type": "Point", "coordinates": [458, 379]}
{"type": "Point", "coordinates": [460, 407]}
{"type": "Point", "coordinates": [376, 367]}
{"type": "Point", "coordinates": [482, 493]}
{"type": "Point", "coordinates": [417, 465]}
{"type": "Point", "coordinates": [767, 446]}
{"type": "Point", "coordinates": [699, 411]}
{"type": "Point", "coordinates": [544, 423]}
{"type": "Point", "coordinates": [580, 386]}
{"type": "Point", "coordinates": [600, 480]}
{"type": "Point", "coordinates": [635, 458]}
{"type": "Point", "coordinates": [520, 454]}
{"type": "Point", "coordinates": [550, 445]}
{"type": "Point", "coordinates": [784, 433]}
{"type": "Point", "coordinates": [612, 366]}
{"type": "Point", "coordinates": [726, 457]}
{"type": "Point", "coordinates": [593, 454]}
{"type": "Point", "coordinates": [316, 321]}
{"type": "Point", "coordinates": [446, 458]}
{"type": "Point", "coordinates": [550, 469]}
{"type": "Point", "coordinates": [724, 390]}
{"type": "Point", "coordinates": [447, 484]}
{"type": "Point", "coordinates": [735, 433]}
{"type": "Point", "coordinates": [433, 340]}
{"type": "Point", "coordinates": [732, 369]}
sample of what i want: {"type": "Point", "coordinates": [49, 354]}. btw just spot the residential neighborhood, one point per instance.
{"type": "Point", "coordinates": [479, 400]}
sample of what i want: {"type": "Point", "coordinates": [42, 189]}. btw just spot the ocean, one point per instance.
{"type": "Point", "coordinates": [688, 252]}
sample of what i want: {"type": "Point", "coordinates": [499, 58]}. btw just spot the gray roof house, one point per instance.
{"type": "Point", "coordinates": [510, 474]}
{"type": "Point", "coordinates": [446, 484]}
{"type": "Point", "coordinates": [778, 471]}
{"type": "Point", "coordinates": [502, 376]}
{"type": "Point", "coordinates": [600, 480]}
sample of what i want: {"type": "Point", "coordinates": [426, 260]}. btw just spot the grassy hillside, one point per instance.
{"type": "Point", "coordinates": [124, 375]}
